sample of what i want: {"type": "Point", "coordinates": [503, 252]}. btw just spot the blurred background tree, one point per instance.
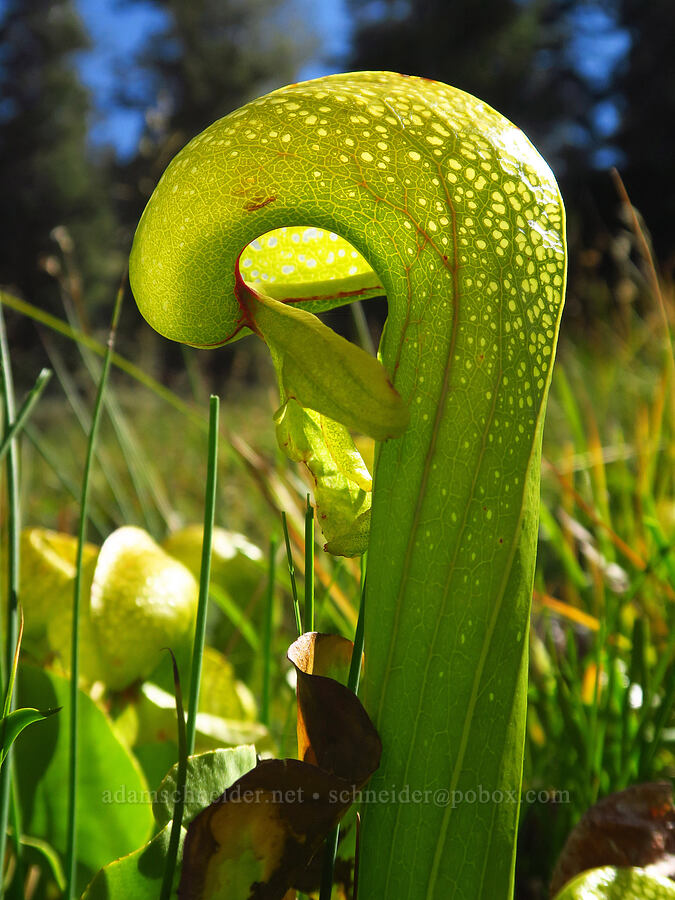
{"type": "Point", "coordinates": [571, 73]}
{"type": "Point", "coordinates": [48, 178]}
{"type": "Point", "coordinates": [574, 74]}
{"type": "Point", "coordinates": [646, 86]}
{"type": "Point", "coordinates": [210, 58]}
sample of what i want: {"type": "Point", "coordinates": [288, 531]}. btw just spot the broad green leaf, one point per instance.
{"type": "Point", "coordinates": [115, 814]}
{"type": "Point", "coordinates": [463, 223]}
{"type": "Point", "coordinates": [208, 775]}
{"type": "Point", "coordinates": [137, 875]}
{"type": "Point", "coordinates": [13, 724]}
{"type": "Point", "coordinates": [609, 883]}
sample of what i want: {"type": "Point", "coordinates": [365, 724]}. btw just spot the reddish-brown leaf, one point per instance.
{"type": "Point", "coordinates": [634, 827]}
{"type": "Point", "coordinates": [256, 840]}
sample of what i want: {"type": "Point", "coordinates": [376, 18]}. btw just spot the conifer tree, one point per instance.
{"type": "Point", "coordinates": [47, 177]}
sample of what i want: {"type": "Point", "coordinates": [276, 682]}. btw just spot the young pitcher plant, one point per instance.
{"type": "Point", "coordinates": [344, 188]}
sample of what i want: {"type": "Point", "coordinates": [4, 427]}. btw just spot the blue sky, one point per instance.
{"type": "Point", "coordinates": [119, 30]}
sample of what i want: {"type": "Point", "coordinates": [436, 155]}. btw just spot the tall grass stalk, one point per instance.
{"type": "Point", "coordinates": [134, 371]}
{"type": "Point", "coordinates": [291, 572]}
{"type": "Point", "coordinates": [267, 636]}
{"type": "Point", "coordinates": [205, 574]}
{"type": "Point", "coordinates": [13, 529]}
{"type": "Point", "coordinates": [96, 517]}
{"type": "Point", "coordinates": [181, 780]}
{"type": "Point", "coordinates": [309, 566]}
{"type": "Point", "coordinates": [26, 408]}
{"type": "Point", "coordinates": [71, 825]}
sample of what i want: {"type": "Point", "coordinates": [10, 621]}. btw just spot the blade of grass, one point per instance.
{"type": "Point", "coordinates": [636, 676]}
{"type": "Point", "coordinates": [135, 372]}
{"type": "Point", "coordinates": [151, 497]}
{"type": "Point", "coordinates": [12, 621]}
{"type": "Point", "coordinates": [71, 825]}
{"type": "Point", "coordinates": [14, 811]}
{"type": "Point", "coordinates": [179, 796]}
{"type": "Point", "coordinates": [619, 544]}
{"type": "Point", "coordinates": [309, 566]}
{"type": "Point", "coordinates": [205, 574]}
{"type": "Point", "coordinates": [554, 534]}
{"type": "Point", "coordinates": [291, 572]}
{"type": "Point", "coordinates": [236, 616]}
{"type": "Point", "coordinates": [362, 329]}
{"type": "Point", "coordinates": [649, 749]}
{"type": "Point", "coordinates": [652, 274]}
{"type": "Point", "coordinates": [241, 452]}
{"type": "Point", "coordinates": [25, 410]}
{"type": "Point", "coordinates": [96, 517]}
{"type": "Point", "coordinates": [267, 636]}
{"type": "Point", "coordinates": [125, 505]}
{"type": "Point", "coordinates": [9, 690]}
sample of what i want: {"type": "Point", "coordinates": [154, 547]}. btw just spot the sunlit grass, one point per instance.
{"type": "Point", "coordinates": [602, 672]}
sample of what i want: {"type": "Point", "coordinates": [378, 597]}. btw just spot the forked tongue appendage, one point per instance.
{"type": "Point", "coordinates": [328, 386]}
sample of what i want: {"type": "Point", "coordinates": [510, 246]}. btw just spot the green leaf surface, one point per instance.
{"type": "Point", "coordinates": [463, 223]}
{"type": "Point", "coordinates": [137, 875]}
{"type": "Point", "coordinates": [342, 487]}
{"type": "Point", "coordinates": [13, 724]}
{"type": "Point", "coordinates": [115, 815]}
{"type": "Point", "coordinates": [208, 775]}
{"type": "Point", "coordinates": [610, 883]}
{"type": "Point", "coordinates": [306, 262]}
{"type": "Point", "coordinates": [326, 373]}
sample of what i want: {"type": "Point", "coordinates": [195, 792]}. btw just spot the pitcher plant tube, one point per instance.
{"type": "Point", "coordinates": [345, 188]}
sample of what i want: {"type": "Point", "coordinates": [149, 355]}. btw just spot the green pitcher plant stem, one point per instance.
{"type": "Point", "coordinates": [349, 187]}
{"type": "Point", "coordinates": [70, 866]}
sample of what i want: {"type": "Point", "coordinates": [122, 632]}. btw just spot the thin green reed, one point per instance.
{"type": "Point", "coordinates": [267, 635]}
{"type": "Point", "coordinates": [26, 408]}
{"type": "Point", "coordinates": [291, 572]}
{"type": "Point", "coordinates": [309, 566]}
{"type": "Point", "coordinates": [181, 780]}
{"type": "Point", "coordinates": [205, 574]}
{"type": "Point", "coordinates": [13, 528]}
{"type": "Point", "coordinates": [71, 825]}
